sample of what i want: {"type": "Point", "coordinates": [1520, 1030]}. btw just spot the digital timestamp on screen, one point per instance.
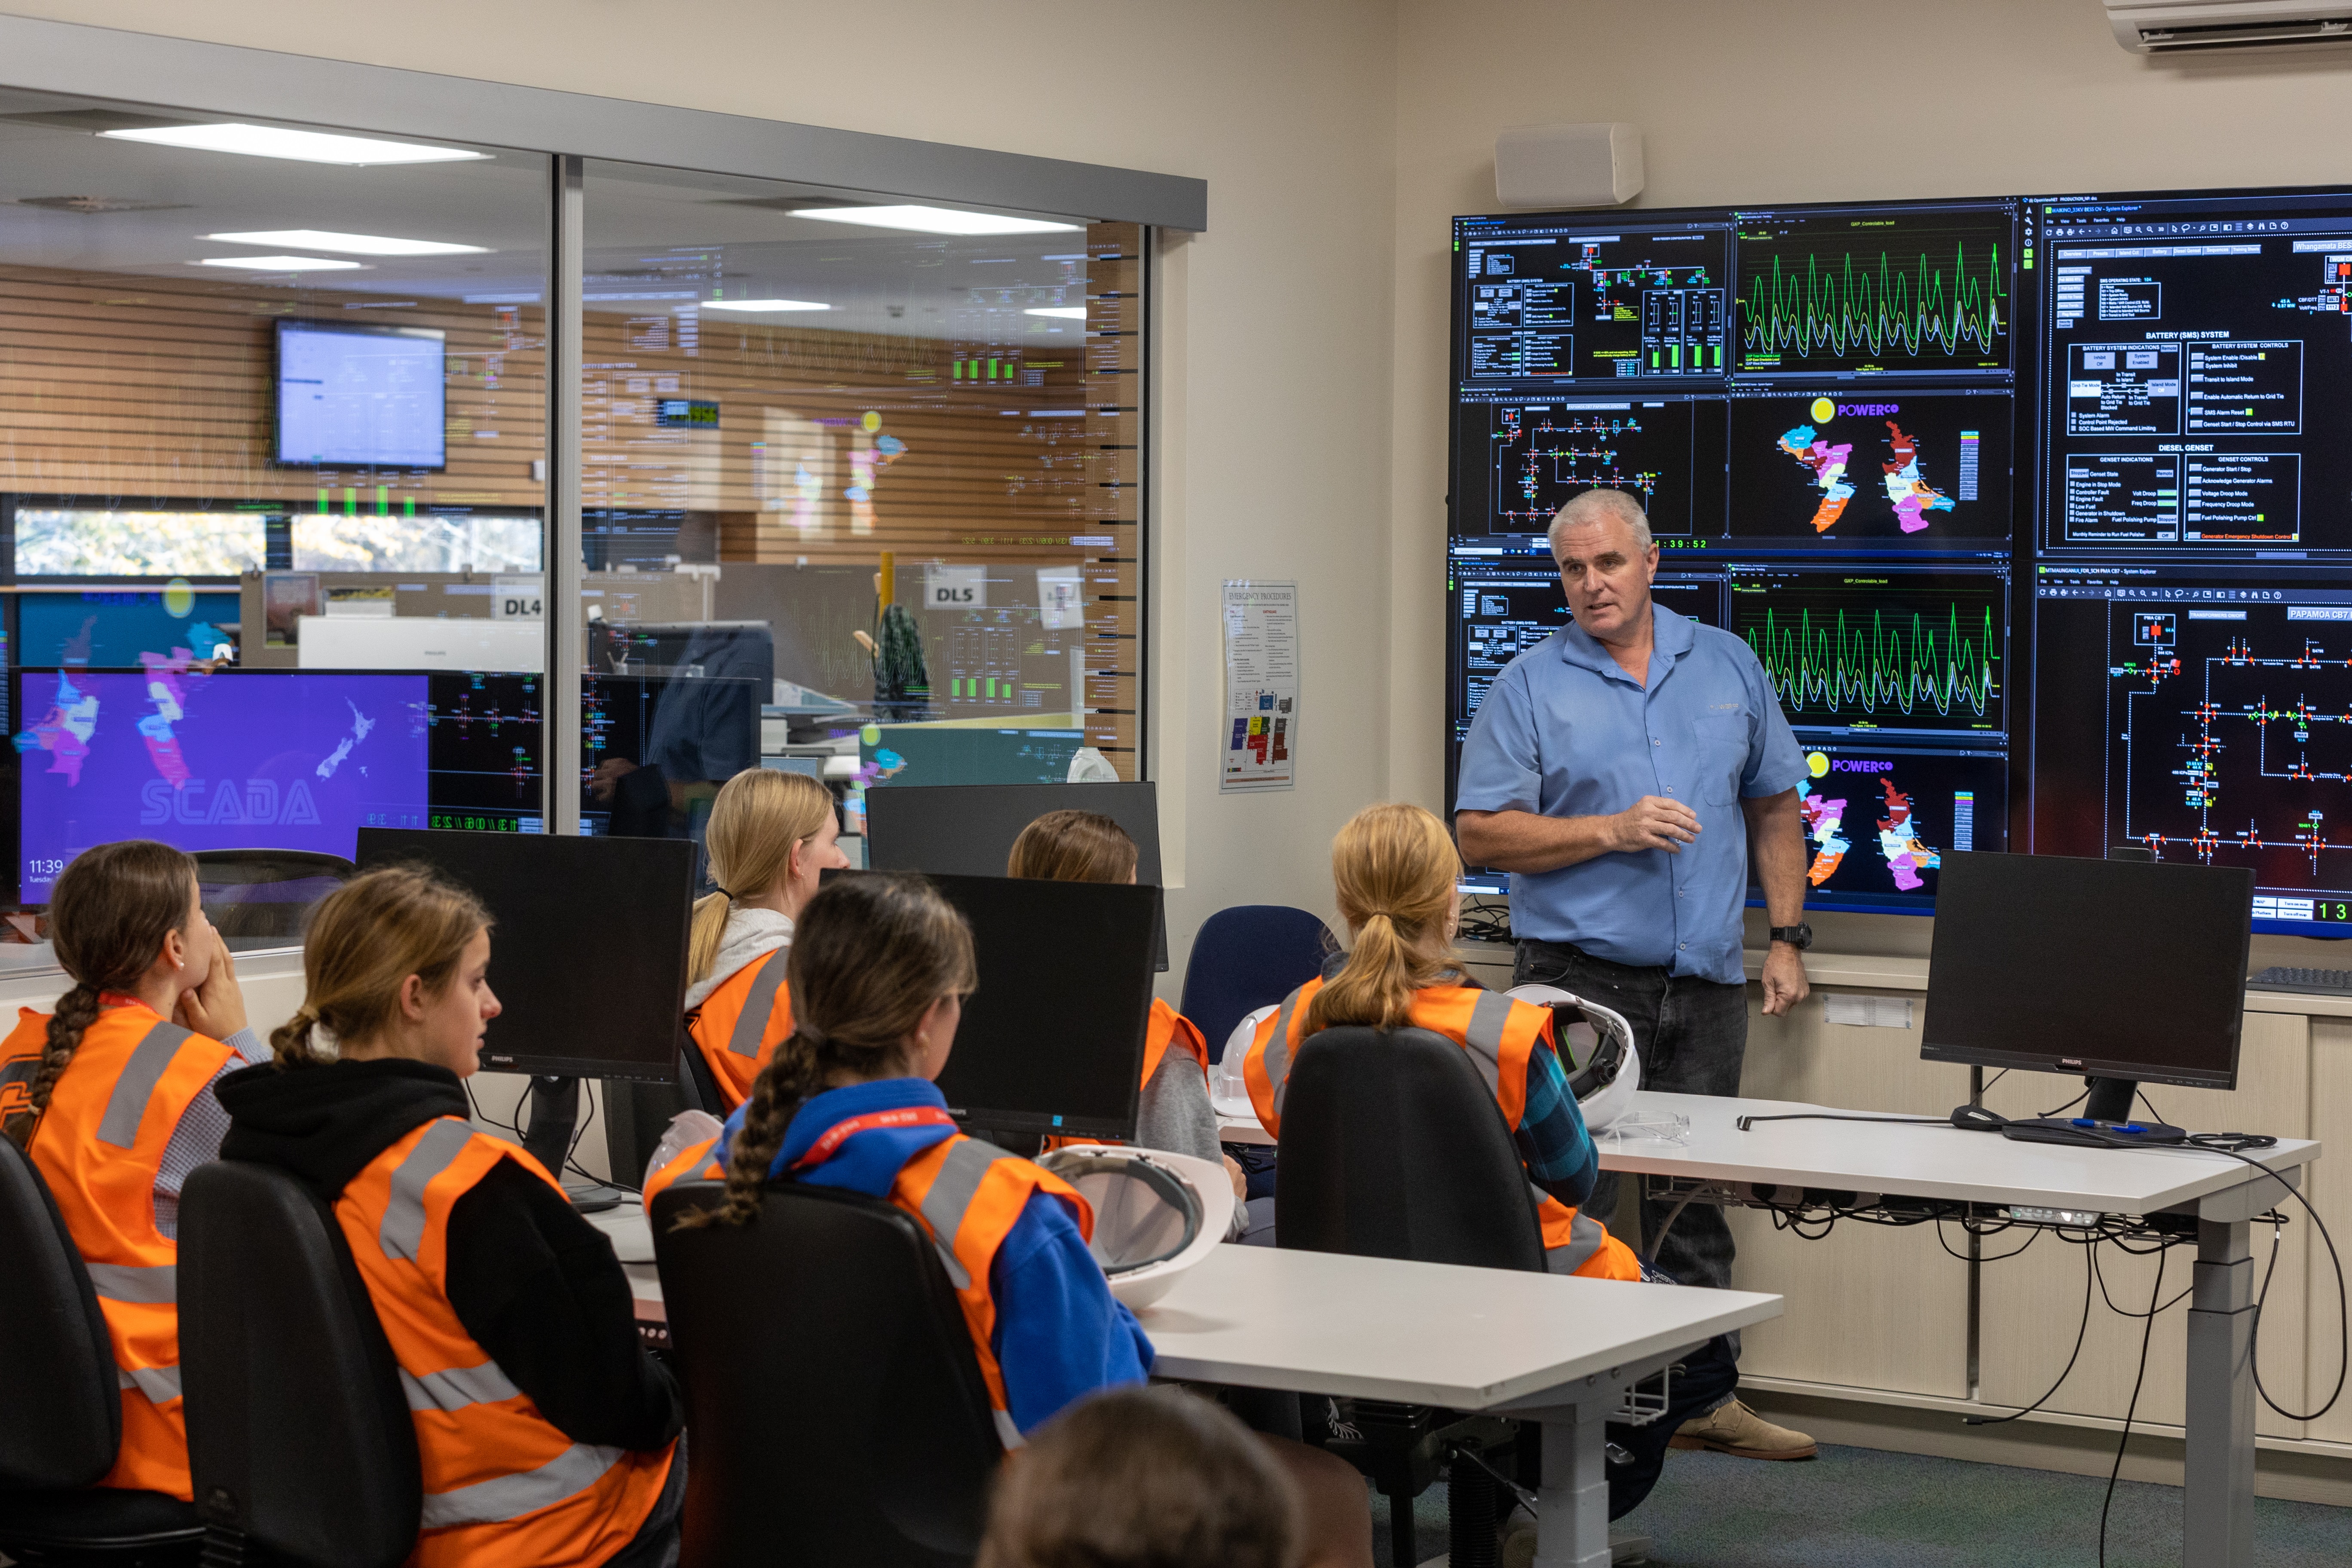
{"type": "Point", "coordinates": [484, 822]}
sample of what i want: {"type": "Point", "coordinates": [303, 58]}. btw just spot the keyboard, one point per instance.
{"type": "Point", "coordinates": [2317, 982]}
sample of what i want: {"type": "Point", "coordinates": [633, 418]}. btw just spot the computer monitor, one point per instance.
{"type": "Point", "coordinates": [361, 394]}
{"type": "Point", "coordinates": [1052, 1040]}
{"type": "Point", "coordinates": [968, 829]}
{"type": "Point", "coordinates": [2160, 1005]}
{"type": "Point", "coordinates": [283, 759]}
{"type": "Point", "coordinates": [588, 957]}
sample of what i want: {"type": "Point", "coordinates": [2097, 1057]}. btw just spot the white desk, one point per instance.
{"type": "Point", "coordinates": [1541, 1347]}
{"type": "Point", "coordinates": [1934, 1162]}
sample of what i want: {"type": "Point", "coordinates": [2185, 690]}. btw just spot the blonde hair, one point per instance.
{"type": "Point", "coordinates": [761, 816]}
{"type": "Point", "coordinates": [366, 940]}
{"type": "Point", "coordinates": [1394, 867]}
{"type": "Point", "coordinates": [1072, 846]}
{"type": "Point", "coordinates": [872, 954]}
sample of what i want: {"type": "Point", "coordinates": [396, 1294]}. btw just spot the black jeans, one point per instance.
{"type": "Point", "coordinates": [1693, 1036]}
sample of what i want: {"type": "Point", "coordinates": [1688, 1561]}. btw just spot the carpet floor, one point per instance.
{"type": "Point", "coordinates": [1863, 1507]}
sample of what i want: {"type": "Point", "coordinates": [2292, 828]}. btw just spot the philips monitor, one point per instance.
{"type": "Point", "coordinates": [968, 829]}
{"type": "Point", "coordinates": [2167, 996]}
{"type": "Point", "coordinates": [234, 759]}
{"type": "Point", "coordinates": [1052, 1041]}
{"type": "Point", "coordinates": [588, 956]}
{"type": "Point", "coordinates": [353, 395]}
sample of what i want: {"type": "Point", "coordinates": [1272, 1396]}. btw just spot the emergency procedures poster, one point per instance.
{"type": "Point", "coordinates": [1261, 687]}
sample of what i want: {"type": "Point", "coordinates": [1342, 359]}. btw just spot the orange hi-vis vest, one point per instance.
{"type": "Point", "coordinates": [692, 1163]}
{"type": "Point", "coordinates": [100, 1146]}
{"type": "Point", "coordinates": [502, 1483]}
{"type": "Point", "coordinates": [739, 1025]}
{"type": "Point", "coordinates": [1167, 1028]}
{"type": "Point", "coordinates": [1499, 1034]}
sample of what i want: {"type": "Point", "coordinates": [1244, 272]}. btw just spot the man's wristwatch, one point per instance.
{"type": "Point", "coordinates": [1799, 936]}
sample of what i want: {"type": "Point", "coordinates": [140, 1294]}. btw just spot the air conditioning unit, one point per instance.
{"type": "Point", "coordinates": [2212, 26]}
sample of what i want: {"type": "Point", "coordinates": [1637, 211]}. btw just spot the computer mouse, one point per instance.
{"type": "Point", "coordinates": [1976, 1119]}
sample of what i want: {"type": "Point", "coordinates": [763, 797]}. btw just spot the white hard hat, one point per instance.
{"type": "Point", "coordinates": [1228, 1091]}
{"type": "Point", "coordinates": [1596, 1047]}
{"type": "Point", "coordinates": [1156, 1214]}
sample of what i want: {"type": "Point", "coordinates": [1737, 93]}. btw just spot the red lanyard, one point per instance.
{"type": "Point", "coordinates": [841, 1132]}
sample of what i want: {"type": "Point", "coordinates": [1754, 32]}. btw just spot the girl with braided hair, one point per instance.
{"type": "Point", "coordinates": [112, 1097]}
{"type": "Point", "coordinates": [546, 1434]}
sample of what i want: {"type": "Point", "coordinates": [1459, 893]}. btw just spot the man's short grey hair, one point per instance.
{"type": "Point", "coordinates": [1594, 505]}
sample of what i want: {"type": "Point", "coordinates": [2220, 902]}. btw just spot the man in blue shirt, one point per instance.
{"type": "Point", "coordinates": [1619, 771]}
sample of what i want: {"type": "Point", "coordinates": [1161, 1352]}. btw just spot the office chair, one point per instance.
{"type": "Point", "coordinates": [1249, 957]}
{"type": "Point", "coordinates": [1393, 1147]}
{"type": "Point", "coordinates": [837, 1413]}
{"type": "Point", "coordinates": [265, 892]}
{"type": "Point", "coordinates": [298, 1433]}
{"type": "Point", "coordinates": [698, 1084]}
{"type": "Point", "coordinates": [61, 1408]}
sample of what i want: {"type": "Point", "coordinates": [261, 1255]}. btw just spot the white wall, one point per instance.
{"type": "Point", "coordinates": [1742, 101]}
{"type": "Point", "coordinates": [1276, 393]}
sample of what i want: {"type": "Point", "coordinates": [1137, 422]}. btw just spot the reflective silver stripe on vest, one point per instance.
{"type": "Point", "coordinates": [127, 1107]}
{"type": "Point", "coordinates": [1484, 1038]}
{"type": "Point", "coordinates": [494, 1501]}
{"type": "Point", "coordinates": [457, 1387]}
{"type": "Point", "coordinates": [1278, 1051]}
{"type": "Point", "coordinates": [402, 1231]}
{"type": "Point", "coordinates": [1006, 1432]}
{"type": "Point", "coordinates": [752, 1023]}
{"type": "Point", "coordinates": [156, 1286]}
{"type": "Point", "coordinates": [1585, 1237]}
{"type": "Point", "coordinates": [951, 1195]}
{"type": "Point", "coordinates": [160, 1385]}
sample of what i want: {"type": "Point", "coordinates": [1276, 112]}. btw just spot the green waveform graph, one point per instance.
{"type": "Point", "coordinates": [1903, 307]}
{"type": "Point", "coordinates": [1905, 662]}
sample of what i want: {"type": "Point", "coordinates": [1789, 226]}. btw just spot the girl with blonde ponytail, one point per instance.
{"type": "Point", "coordinates": [771, 836]}
{"type": "Point", "coordinates": [545, 1432]}
{"type": "Point", "coordinates": [112, 1097]}
{"type": "Point", "coordinates": [1393, 868]}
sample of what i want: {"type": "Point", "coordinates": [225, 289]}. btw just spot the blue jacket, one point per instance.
{"type": "Point", "coordinates": [1060, 1334]}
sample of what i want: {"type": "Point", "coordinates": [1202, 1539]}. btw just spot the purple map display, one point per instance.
{"type": "Point", "coordinates": [238, 759]}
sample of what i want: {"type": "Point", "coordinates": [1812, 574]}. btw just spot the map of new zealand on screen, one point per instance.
{"type": "Point", "coordinates": [214, 762]}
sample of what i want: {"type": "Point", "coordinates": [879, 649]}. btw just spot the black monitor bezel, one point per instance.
{"type": "Point", "coordinates": [277, 458]}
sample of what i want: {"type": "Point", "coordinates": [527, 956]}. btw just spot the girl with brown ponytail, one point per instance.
{"type": "Point", "coordinates": [545, 1433]}
{"type": "Point", "coordinates": [111, 1096]}
{"type": "Point", "coordinates": [771, 836]}
{"type": "Point", "coordinates": [1394, 867]}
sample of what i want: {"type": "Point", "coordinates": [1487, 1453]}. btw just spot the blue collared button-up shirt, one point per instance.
{"type": "Point", "coordinates": [1563, 731]}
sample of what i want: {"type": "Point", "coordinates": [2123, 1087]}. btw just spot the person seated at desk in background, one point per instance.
{"type": "Point", "coordinates": [771, 836]}
{"type": "Point", "coordinates": [547, 1435]}
{"type": "Point", "coordinates": [879, 968]}
{"type": "Point", "coordinates": [1175, 1112]}
{"type": "Point", "coordinates": [112, 1100]}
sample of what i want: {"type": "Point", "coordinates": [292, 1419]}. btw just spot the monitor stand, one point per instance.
{"type": "Point", "coordinates": [2106, 1122]}
{"type": "Point", "coordinates": [554, 1116]}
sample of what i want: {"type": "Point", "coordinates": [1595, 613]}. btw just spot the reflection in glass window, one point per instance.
{"type": "Point", "coordinates": [60, 542]}
{"type": "Point", "coordinates": [425, 541]}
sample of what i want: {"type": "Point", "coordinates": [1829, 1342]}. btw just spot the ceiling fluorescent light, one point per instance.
{"type": "Point", "coordinates": [934, 220]}
{"type": "Point", "coordinates": [1063, 312]}
{"type": "Point", "coordinates": [307, 146]}
{"type": "Point", "coordinates": [349, 244]}
{"type": "Point", "coordinates": [764, 305]}
{"type": "Point", "coordinates": [280, 263]}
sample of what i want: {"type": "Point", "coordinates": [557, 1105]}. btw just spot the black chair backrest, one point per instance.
{"type": "Point", "coordinates": [1393, 1147]}
{"type": "Point", "coordinates": [696, 1079]}
{"type": "Point", "coordinates": [836, 1410]}
{"type": "Point", "coordinates": [299, 1433]}
{"type": "Point", "coordinates": [60, 1409]}
{"type": "Point", "coordinates": [265, 892]}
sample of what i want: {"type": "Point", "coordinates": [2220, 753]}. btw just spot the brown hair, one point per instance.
{"type": "Point", "coordinates": [1136, 1477]}
{"type": "Point", "coordinates": [366, 939]}
{"type": "Point", "coordinates": [1072, 846]}
{"type": "Point", "coordinates": [761, 816]}
{"type": "Point", "coordinates": [109, 914]}
{"type": "Point", "coordinates": [1394, 868]}
{"type": "Point", "coordinates": [871, 954]}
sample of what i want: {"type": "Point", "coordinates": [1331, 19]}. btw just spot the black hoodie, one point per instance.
{"type": "Point", "coordinates": [534, 1284]}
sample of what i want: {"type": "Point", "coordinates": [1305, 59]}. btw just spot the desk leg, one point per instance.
{"type": "Point", "coordinates": [2221, 1434]}
{"type": "Point", "coordinates": [1572, 1520]}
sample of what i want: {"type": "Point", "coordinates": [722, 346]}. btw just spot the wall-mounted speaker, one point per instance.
{"type": "Point", "coordinates": [1597, 164]}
